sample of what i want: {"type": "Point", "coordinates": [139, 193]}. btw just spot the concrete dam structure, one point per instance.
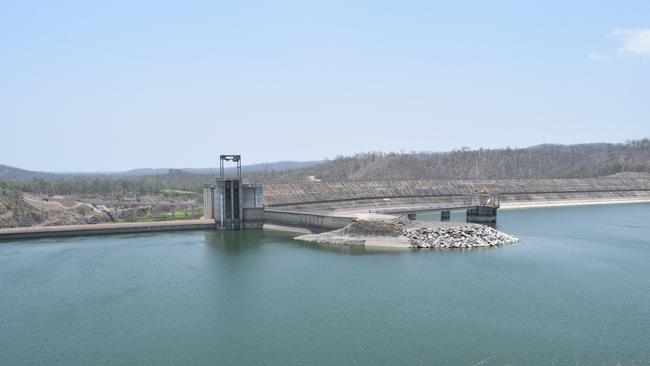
{"type": "Point", "coordinates": [319, 206]}
{"type": "Point", "coordinates": [234, 204]}
{"type": "Point", "coordinates": [410, 196]}
{"type": "Point", "coordinates": [231, 203]}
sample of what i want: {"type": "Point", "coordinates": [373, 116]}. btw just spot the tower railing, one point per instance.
{"type": "Point", "coordinates": [235, 159]}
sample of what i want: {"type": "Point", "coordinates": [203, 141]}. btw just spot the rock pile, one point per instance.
{"type": "Point", "coordinates": [466, 236]}
{"type": "Point", "coordinates": [392, 228]}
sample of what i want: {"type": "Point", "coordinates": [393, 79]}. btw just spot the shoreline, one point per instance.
{"type": "Point", "coordinates": [401, 242]}
{"type": "Point", "coordinates": [569, 203]}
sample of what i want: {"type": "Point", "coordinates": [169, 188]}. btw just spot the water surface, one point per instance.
{"type": "Point", "coordinates": [576, 290]}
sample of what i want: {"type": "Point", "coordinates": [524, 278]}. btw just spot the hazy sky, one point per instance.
{"type": "Point", "coordinates": [112, 85]}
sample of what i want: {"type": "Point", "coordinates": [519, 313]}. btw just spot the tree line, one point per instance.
{"type": "Point", "coordinates": [543, 161]}
{"type": "Point", "coordinates": [110, 186]}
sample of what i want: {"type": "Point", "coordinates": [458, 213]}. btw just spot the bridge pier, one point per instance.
{"type": "Point", "coordinates": [482, 214]}
{"type": "Point", "coordinates": [445, 215]}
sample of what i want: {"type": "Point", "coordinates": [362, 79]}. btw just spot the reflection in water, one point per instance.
{"type": "Point", "coordinates": [238, 241]}
{"type": "Point", "coordinates": [233, 241]}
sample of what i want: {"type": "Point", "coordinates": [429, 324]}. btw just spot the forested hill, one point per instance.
{"type": "Point", "coordinates": [13, 174]}
{"type": "Point", "coordinates": [541, 161]}
{"type": "Point", "coordinates": [9, 173]}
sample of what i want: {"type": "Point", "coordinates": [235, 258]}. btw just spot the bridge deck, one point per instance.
{"type": "Point", "coordinates": [402, 210]}
{"type": "Point", "coordinates": [108, 228]}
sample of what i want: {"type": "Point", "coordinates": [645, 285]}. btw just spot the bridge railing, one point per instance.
{"type": "Point", "coordinates": [482, 199]}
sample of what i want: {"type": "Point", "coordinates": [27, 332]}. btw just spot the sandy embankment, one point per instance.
{"type": "Point", "coordinates": [379, 233]}
{"type": "Point", "coordinates": [338, 238]}
{"type": "Point", "coordinates": [401, 242]}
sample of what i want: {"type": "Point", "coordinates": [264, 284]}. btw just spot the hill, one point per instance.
{"type": "Point", "coordinates": [9, 173]}
{"type": "Point", "coordinates": [13, 174]}
{"type": "Point", "coordinates": [259, 168]}
{"type": "Point", "coordinates": [541, 161]}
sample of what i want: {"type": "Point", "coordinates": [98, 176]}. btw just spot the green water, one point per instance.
{"type": "Point", "coordinates": [576, 290]}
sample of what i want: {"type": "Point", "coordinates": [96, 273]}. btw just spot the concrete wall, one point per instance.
{"type": "Point", "coordinates": [97, 229]}
{"type": "Point", "coordinates": [208, 202]}
{"type": "Point", "coordinates": [292, 194]}
{"type": "Point", "coordinates": [306, 220]}
{"type": "Point", "coordinates": [252, 196]}
{"type": "Point", "coordinates": [217, 202]}
{"type": "Point", "coordinates": [253, 218]}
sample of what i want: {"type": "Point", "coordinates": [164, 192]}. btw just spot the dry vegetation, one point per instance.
{"type": "Point", "coordinates": [543, 161]}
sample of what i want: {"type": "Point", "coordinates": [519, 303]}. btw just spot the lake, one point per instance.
{"type": "Point", "coordinates": [575, 290]}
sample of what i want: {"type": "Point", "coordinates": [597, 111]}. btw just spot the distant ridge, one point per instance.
{"type": "Point", "coordinates": [539, 161]}
{"type": "Point", "coordinates": [10, 173]}
{"type": "Point", "coordinates": [275, 166]}
{"type": "Point", "coordinates": [13, 174]}
{"type": "Point", "coordinates": [261, 167]}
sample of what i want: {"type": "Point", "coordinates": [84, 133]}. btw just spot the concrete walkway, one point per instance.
{"type": "Point", "coordinates": [95, 229]}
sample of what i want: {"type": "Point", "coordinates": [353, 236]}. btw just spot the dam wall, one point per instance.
{"type": "Point", "coordinates": [99, 229]}
{"type": "Point", "coordinates": [328, 195]}
{"type": "Point", "coordinates": [316, 222]}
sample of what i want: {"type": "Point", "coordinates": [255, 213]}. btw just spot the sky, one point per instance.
{"type": "Point", "coordinates": [116, 85]}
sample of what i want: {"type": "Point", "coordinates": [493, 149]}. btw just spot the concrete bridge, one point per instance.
{"type": "Point", "coordinates": [479, 207]}
{"type": "Point", "coordinates": [356, 198]}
